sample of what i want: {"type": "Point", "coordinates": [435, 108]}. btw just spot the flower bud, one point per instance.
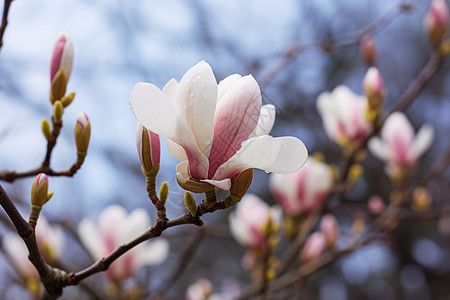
{"type": "Point", "coordinates": [330, 228]}
{"type": "Point", "coordinates": [66, 100]}
{"type": "Point", "coordinates": [374, 88]}
{"type": "Point", "coordinates": [148, 148]}
{"type": "Point", "coordinates": [61, 66]}
{"type": "Point", "coordinates": [39, 196]}
{"type": "Point", "coordinates": [58, 111]}
{"type": "Point", "coordinates": [240, 185]}
{"type": "Point", "coordinates": [164, 192]}
{"type": "Point", "coordinates": [368, 50]}
{"type": "Point", "coordinates": [314, 247]}
{"type": "Point", "coordinates": [376, 205]}
{"type": "Point", "coordinates": [189, 201]}
{"type": "Point", "coordinates": [436, 21]}
{"type": "Point", "coordinates": [82, 133]}
{"type": "Point", "coordinates": [45, 127]}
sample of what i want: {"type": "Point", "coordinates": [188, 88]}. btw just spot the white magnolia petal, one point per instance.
{"type": "Point", "coordinates": [156, 113]}
{"type": "Point", "coordinates": [196, 100]}
{"type": "Point", "coordinates": [182, 171]}
{"type": "Point", "coordinates": [239, 228]}
{"type": "Point", "coordinates": [397, 127]}
{"type": "Point", "coordinates": [421, 142]}
{"type": "Point", "coordinates": [134, 224]}
{"type": "Point", "coordinates": [152, 253]}
{"type": "Point", "coordinates": [285, 189]}
{"type": "Point", "coordinates": [225, 84]}
{"type": "Point", "coordinates": [378, 148]}
{"type": "Point", "coordinates": [91, 238]}
{"type": "Point", "coordinates": [176, 150]}
{"type": "Point", "coordinates": [17, 252]}
{"type": "Point", "coordinates": [170, 90]}
{"type": "Point", "coordinates": [266, 121]}
{"type": "Point", "coordinates": [325, 106]}
{"type": "Point", "coordinates": [291, 157]}
{"type": "Point", "coordinates": [224, 184]}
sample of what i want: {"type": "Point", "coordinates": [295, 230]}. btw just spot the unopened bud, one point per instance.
{"type": "Point", "coordinates": [82, 134]}
{"type": "Point", "coordinates": [58, 111]}
{"type": "Point", "coordinates": [241, 183]}
{"type": "Point", "coordinates": [368, 50]}
{"type": "Point", "coordinates": [421, 199]}
{"type": "Point", "coordinates": [61, 67]}
{"type": "Point", "coordinates": [374, 87]}
{"type": "Point", "coordinates": [45, 127]}
{"type": "Point", "coordinates": [66, 100]}
{"type": "Point", "coordinates": [149, 149]}
{"type": "Point", "coordinates": [356, 171]}
{"type": "Point", "coordinates": [330, 228]}
{"type": "Point", "coordinates": [164, 192]}
{"type": "Point", "coordinates": [39, 196]}
{"type": "Point", "coordinates": [436, 21]}
{"type": "Point", "coordinates": [189, 201]}
{"type": "Point", "coordinates": [314, 247]}
{"type": "Point", "coordinates": [376, 205]}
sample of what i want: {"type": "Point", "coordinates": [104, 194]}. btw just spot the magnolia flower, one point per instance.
{"type": "Point", "coordinates": [303, 191]}
{"type": "Point", "coordinates": [215, 130]}
{"type": "Point", "coordinates": [62, 57]}
{"type": "Point", "coordinates": [330, 228]}
{"type": "Point", "coordinates": [398, 146]}
{"type": "Point", "coordinates": [343, 115]}
{"type": "Point", "coordinates": [314, 247]}
{"type": "Point", "coordinates": [148, 148]}
{"type": "Point", "coordinates": [114, 228]}
{"type": "Point", "coordinates": [373, 86]}
{"type": "Point", "coordinates": [436, 20]}
{"type": "Point", "coordinates": [199, 290]}
{"type": "Point", "coordinates": [248, 222]}
{"type": "Point", "coordinates": [376, 205]}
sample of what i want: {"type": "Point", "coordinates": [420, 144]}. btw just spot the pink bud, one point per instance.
{"type": "Point", "coordinates": [376, 205]}
{"type": "Point", "coordinates": [83, 120]}
{"type": "Point", "coordinates": [148, 147]}
{"type": "Point", "coordinates": [367, 49]}
{"type": "Point", "coordinates": [373, 83]}
{"type": "Point", "coordinates": [330, 228]}
{"type": "Point", "coordinates": [314, 247]}
{"type": "Point", "coordinates": [62, 57]}
{"type": "Point", "coordinates": [40, 178]}
{"type": "Point", "coordinates": [436, 20]}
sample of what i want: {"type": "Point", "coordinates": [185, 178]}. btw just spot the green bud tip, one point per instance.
{"type": "Point", "coordinates": [189, 201]}
{"type": "Point", "coordinates": [164, 192]}
{"type": "Point", "coordinates": [58, 111]}
{"type": "Point", "coordinates": [45, 127]}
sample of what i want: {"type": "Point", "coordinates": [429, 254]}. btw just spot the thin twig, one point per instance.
{"type": "Point", "coordinates": [4, 20]}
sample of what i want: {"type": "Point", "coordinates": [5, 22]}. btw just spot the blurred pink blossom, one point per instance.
{"type": "Point", "coordinates": [116, 227]}
{"type": "Point", "coordinates": [314, 247]}
{"type": "Point", "coordinates": [303, 191]}
{"type": "Point", "coordinates": [373, 83]}
{"type": "Point", "coordinates": [343, 115]}
{"type": "Point", "coordinates": [376, 205]}
{"type": "Point", "coordinates": [398, 146]}
{"type": "Point", "coordinates": [215, 130]}
{"type": "Point", "coordinates": [330, 228]}
{"type": "Point", "coordinates": [248, 221]}
{"type": "Point", "coordinates": [436, 20]}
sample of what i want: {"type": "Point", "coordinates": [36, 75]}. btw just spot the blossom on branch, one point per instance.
{"type": "Point", "coordinates": [398, 146]}
{"type": "Point", "coordinates": [215, 130]}
{"type": "Point", "coordinates": [149, 149]}
{"type": "Point", "coordinates": [344, 116]}
{"type": "Point", "coordinates": [314, 246]}
{"type": "Point", "coordinates": [115, 228]}
{"type": "Point", "coordinates": [303, 191]}
{"type": "Point", "coordinates": [436, 20]}
{"type": "Point", "coordinates": [248, 223]}
{"type": "Point", "coordinates": [60, 67]}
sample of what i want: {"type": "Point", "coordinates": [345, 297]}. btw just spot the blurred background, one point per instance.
{"type": "Point", "coordinates": [118, 43]}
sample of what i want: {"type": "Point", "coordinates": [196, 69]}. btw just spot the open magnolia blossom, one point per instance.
{"type": "Point", "coordinates": [215, 130]}
{"type": "Point", "coordinates": [303, 191]}
{"type": "Point", "coordinates": [398, 146]}
{"type": "Point", "coordinates": [114, 228]}
{"type": "Point", "coordinates": [49, 239]}
{"type": "Point", "coordinates": [249, 221]}
{"type": "Point", "coordinates": [344, 116]}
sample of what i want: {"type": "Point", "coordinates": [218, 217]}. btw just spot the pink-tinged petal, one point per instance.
{"type": "Point", "coordinates": [421, 142]}
{"type": "Point", "coordinates": [17, 252]}
{"type": "Point", "coordinates": [170, 90]}
{"type": "Point", "coordinates": [265, 122]}
{"type": "Point", "coordinates": [284, 188]}
{"type": "Point", "coordinates": [225, 84]}
{"type": "Point", "coordinates": [40, 178]}
{"type": "Point", "coordinates": [224, 184]}
{"type": "Point", "coordinates": [330, 228]}
{"type": "Point", "coordinates": [91, 238]}
{"type": "Point", "coordinates": [176, 150]}
{"type": "Point", "coordinates": [155, 147]}
{"type": "Point", "coordinates": [111, 221]}
{"type": "Point", "coordinates": [62, 56]}
{"type": "Point", "coordinates": [398, 134]}
{"type": "Point", "coordinates": [314, 247]}
{"type": "Point", "coordinates": [236, 117]}
{"type": "Point", "coordinates": [196, 100]}
{"type": "Point", "coordinates": [376, 205]}
{"type": "Point", "coordinates": [82, 119]}
{"type": "Point", "coordinates": [155, 112]}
